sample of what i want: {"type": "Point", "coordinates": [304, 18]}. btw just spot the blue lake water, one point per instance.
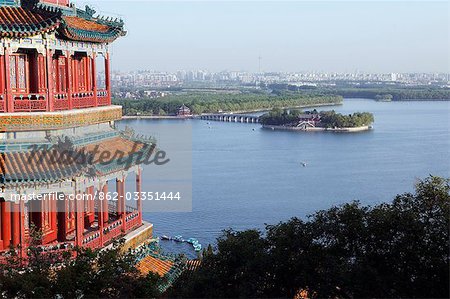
{"type": "Point", "coordinates": [244, 178]}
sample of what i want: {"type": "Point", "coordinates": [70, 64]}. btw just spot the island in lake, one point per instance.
{"type": "Point", "coordinates": [297, 120]}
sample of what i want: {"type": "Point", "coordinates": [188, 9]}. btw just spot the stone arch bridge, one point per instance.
{"type": "Point", "coordinates": [242, 118]}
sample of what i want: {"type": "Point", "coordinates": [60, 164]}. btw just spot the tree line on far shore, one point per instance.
{"type": "Point", "coordinates": [213, 102]}
{"type": "Point", "coordinates": [390, 250]}
{"type": "Point", "coordinates": [369, 92]}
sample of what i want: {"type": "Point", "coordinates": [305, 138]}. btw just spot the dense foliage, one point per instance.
{"type": "Point", "coordinates": [392, 250]}
{"type": "Point", "coordinates": [371, 92]}
{"type": "Point", "coordinates": [278, 117]}
{"type": "Point", "coordinates": [395, 94]}
{"type": "Point", "coordinates": [81, 273]}
{"type": "Point", "coordinates": [214, 102]}
{"type": "Point", "coordinates": [328, 119]}
{"type": "Point", "coordinates": [331, 119]}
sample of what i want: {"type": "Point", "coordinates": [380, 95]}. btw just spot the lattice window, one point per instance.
{"type": "Point", "coordinates": [21, 72]}
{"type": "Point", "coordinates": [82, 74]}
{"type": "Point", "coordinates": [18, 69]}
{"type": "Point", "coordinates": [12, 72]}
{"type": "Point", "coordinates": [62, 77]}
{"type": "Point", "coordinates": [27, 216]}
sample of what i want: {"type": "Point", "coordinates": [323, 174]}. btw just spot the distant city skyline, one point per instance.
{"type": "Point", "coordinates": [292, 36]}
{"type": "Point", "coordinates": [151, 78]}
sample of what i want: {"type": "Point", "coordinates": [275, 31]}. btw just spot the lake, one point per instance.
{"type": "Point", "coordinates": [244, 178]}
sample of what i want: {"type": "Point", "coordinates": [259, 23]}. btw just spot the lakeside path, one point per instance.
{"type": "Point", "coordinates": [234, 112]}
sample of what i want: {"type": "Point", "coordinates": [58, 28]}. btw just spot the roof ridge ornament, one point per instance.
{"type": "Point", "coordinates": [36, 17]}
{"type": "Point", "coordinates": [90, 11]}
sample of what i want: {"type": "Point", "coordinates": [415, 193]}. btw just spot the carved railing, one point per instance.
{"type": "Point", "coordinates": [132, 221]}
{"type": "Point", "coordinates": [112, 231]}
{"type": "Point", "coordinates": [83, 100]}
{"type": "Point", "coordinates": [61, 101]}
{"type": "Point", "coordinates": [92, 240]}
{"type": "Point", "coordinates": [2, 103]}
{"type": "Point", "coordinates": [38, 102]}
{"type": "Point", "coordinates": [103, 98]}
{"type": "Point", "coordinates": [30, 102]}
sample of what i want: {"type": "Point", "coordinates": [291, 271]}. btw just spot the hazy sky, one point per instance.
{"type": "Point", "coordinates": [369, 36]}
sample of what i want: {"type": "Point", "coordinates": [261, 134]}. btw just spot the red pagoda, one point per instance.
{"type": "Point", "coordinates": [50, 93]}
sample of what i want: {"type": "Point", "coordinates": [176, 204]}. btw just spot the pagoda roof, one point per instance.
{"type": "Point", "coordinates": [22, 22]}
{"type": "Point", "coordinates": [23, 167]}
{"type": "Point", "coordinates": [32, 17]}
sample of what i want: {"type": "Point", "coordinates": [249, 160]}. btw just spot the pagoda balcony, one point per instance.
{"type": "Point", "coordinates": [132, 220]}
{"type": "Point", "coordinates": [112, 231]}
{"type": "Point", "coordinates": [93, 240]}
{"type": "Point", "coordinates": [61, 101]}
{"type": "Point", "coordinates": [83, 100]}
{"type": "Point", "coordinates": [32, 102]}
{"type": "Point", "coordinates": [103, 98]}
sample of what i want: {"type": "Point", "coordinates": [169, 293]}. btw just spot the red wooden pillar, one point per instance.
{"type": "Point", "coordinates": [2, 80]}
{"type": "Point", "coordinates": [119, 197]}
{"type": "Point", "coordinates": [63, 206]}
{"type": "Point", "coordinates": [23, 237]}
{"type": "Point", "coordinates": [105, 203]}
{"type": "Point", "coordinates": [1, 233]}
{"type": "Point", "coordinates": [6, 224]}
{"type": "Point", "coordinates": [69, 78]}
{"type": "Point", "coordinates": [94, 78]}
{"type": "Point", "coordinates": [139, 190]}
{"type": "Point", "coordinates": [108, 77]}
{"type": "Point", "coordinates": [79, 220]}
{"type": "Point", "coordinates": [121, 205]}
{"type": "Point", "coordinates": [8, 90]}
{"type": "Point", "coordinates": [100, 220]}
{"type": "Point", "coordinates": [53, 216]}
{"type": "Point", "coordinates": [50, 81]}
{"type": "Point", "coordinates": [124, 207]}
{"type": "Point", "coordinates": [90, 207]}
{"type": "Point", "coordinates": [15, 211]}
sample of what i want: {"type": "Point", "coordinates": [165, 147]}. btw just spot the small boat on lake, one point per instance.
{"type": "Point", "coordinates": [192, 241]}
{"type": "Point", "coordinates": [178, 238]}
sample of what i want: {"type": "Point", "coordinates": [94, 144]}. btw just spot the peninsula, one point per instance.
{"type": "Point", "coordinates": [296, 120]}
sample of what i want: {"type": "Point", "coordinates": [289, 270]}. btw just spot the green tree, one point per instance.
{"type": "Point", "coordinates": [391, 250]}
{"type": "Point", "coordinates": [77, 273]}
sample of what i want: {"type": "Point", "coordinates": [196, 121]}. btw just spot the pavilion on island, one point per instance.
{"type": "Point", "coordinates": [51, 92]}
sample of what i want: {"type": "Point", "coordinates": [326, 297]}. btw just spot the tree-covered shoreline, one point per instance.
{"type": "Point", "coordinates": [331, 119]}
{"type": "Point", "coordinates": [212, 103]}
{"type": "Point", "coordinates": [386, 92]}
{"type": "Point", "coordinates": [243, 99]}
